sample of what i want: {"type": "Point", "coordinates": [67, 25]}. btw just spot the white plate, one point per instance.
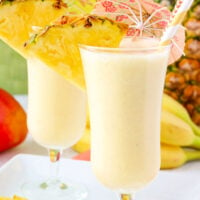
{"type": "Point", "coordinates": [179, 184]}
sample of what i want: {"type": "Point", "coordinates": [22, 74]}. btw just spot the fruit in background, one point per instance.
{"type": "Point", "coordinates": [174, 156]}
{"type": "Point", "coordinates": [175, 131]}
{"type": "Point", "coordinates": [83, 144]}
{"type": "Point", "coordinates": [57, 44]}
{"type": "Point", "coordinates": [18, 17]}
{"type": "Point", "coordinates": [192, 47]}
{"type": "Point", "coordinates": [13, 127]}
{"type": "Point", "coordinates": [171, 105]}
{"type": "Point", "coordinates": [88, 119]}
{"type": "Point", "coordinates": [83, 156]}
{"type": "Point", "coordinates": [183, 77]}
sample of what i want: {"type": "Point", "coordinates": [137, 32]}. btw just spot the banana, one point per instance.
{"type": "Point", "coordinates": [174, 156]}
{"type": "Point", "coordinates": [88, 119]}
{"type": "Point", "coordinates": [84, 143]}
{"type": "Point", "coordinates": [175, 131]}
{"type": "Point", "coordinates": [173, 106]}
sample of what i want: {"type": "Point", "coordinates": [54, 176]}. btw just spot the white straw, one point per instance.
{"type": "Point", "coordinates": [178, 15]}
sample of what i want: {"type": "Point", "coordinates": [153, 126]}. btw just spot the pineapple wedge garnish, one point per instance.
{"type": "Point", "coordinates": [18, 16]}
{"type": "Point", "coordinates": [57, 44]}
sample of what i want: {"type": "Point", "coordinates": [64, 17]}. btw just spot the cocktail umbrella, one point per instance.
{"type": "Point", "coordinates": [145, 18]}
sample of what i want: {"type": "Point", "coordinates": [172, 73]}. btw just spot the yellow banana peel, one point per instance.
{"type": "Point", "coordinates": [83, 144]}
{"type": "Point", "coordinates": [175, 131]}
{"type": "Point", "coordinates": [174, 156]}
{"type": "Point", "coordinates": [171, 105]}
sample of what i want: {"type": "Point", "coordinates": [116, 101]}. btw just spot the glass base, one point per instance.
{"type": "Point", "coordinates": [55, 190]}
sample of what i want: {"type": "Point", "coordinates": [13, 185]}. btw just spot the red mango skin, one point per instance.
{"type": "Point", "coordinates": [13, 122]}
{"type": "Point", "coordinates": [83, 156]}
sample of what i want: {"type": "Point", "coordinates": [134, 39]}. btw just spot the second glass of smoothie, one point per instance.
{"type": "Point", "coordinates": [56, 120]}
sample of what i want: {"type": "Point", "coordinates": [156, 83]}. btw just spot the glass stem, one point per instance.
{"type": "Point", "coordinates": [126, 197]}
{"type": "Point", "coordinates": [54, 156]}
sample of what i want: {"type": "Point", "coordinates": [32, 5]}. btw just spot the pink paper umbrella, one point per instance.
{"type": "Point", "coordinates": [145, 18]}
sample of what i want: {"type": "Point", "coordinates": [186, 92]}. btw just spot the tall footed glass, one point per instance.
{"type": "Point", "coordinates": [56, 120]}
{"type": "Point", "coordinates": [124, 87]}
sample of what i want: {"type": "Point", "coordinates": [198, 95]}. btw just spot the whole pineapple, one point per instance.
{"type": "Point", "coordinates": [183, 77]}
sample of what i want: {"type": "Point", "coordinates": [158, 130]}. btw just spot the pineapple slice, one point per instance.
{"type": "Point", "coordinates": [57, 45]}
{"type": "Point", "coordinates": [18, 16]}
{"type": "Point", "coordinates": [18, 198]}
{"type": "Point", "coordinates": [14, 198]}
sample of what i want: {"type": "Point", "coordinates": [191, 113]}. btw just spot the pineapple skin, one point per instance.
{"type": "Point", "coordinates": [183, 77]}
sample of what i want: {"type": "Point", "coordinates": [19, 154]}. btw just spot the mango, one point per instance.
{"type": "Point", "coordinates": [13, 126]}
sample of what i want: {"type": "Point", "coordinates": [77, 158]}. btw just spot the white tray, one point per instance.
{"type": "Point", "coordinates": [179, 184]}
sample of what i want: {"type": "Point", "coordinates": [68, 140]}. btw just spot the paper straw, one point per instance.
{"type": "Point", "coordinates": [178, 15]}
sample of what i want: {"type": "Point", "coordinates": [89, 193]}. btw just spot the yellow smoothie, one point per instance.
{"type": "Point", "coordinates": [56, 109]}
{"type": "Point", "coordinates": [124, 92]}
